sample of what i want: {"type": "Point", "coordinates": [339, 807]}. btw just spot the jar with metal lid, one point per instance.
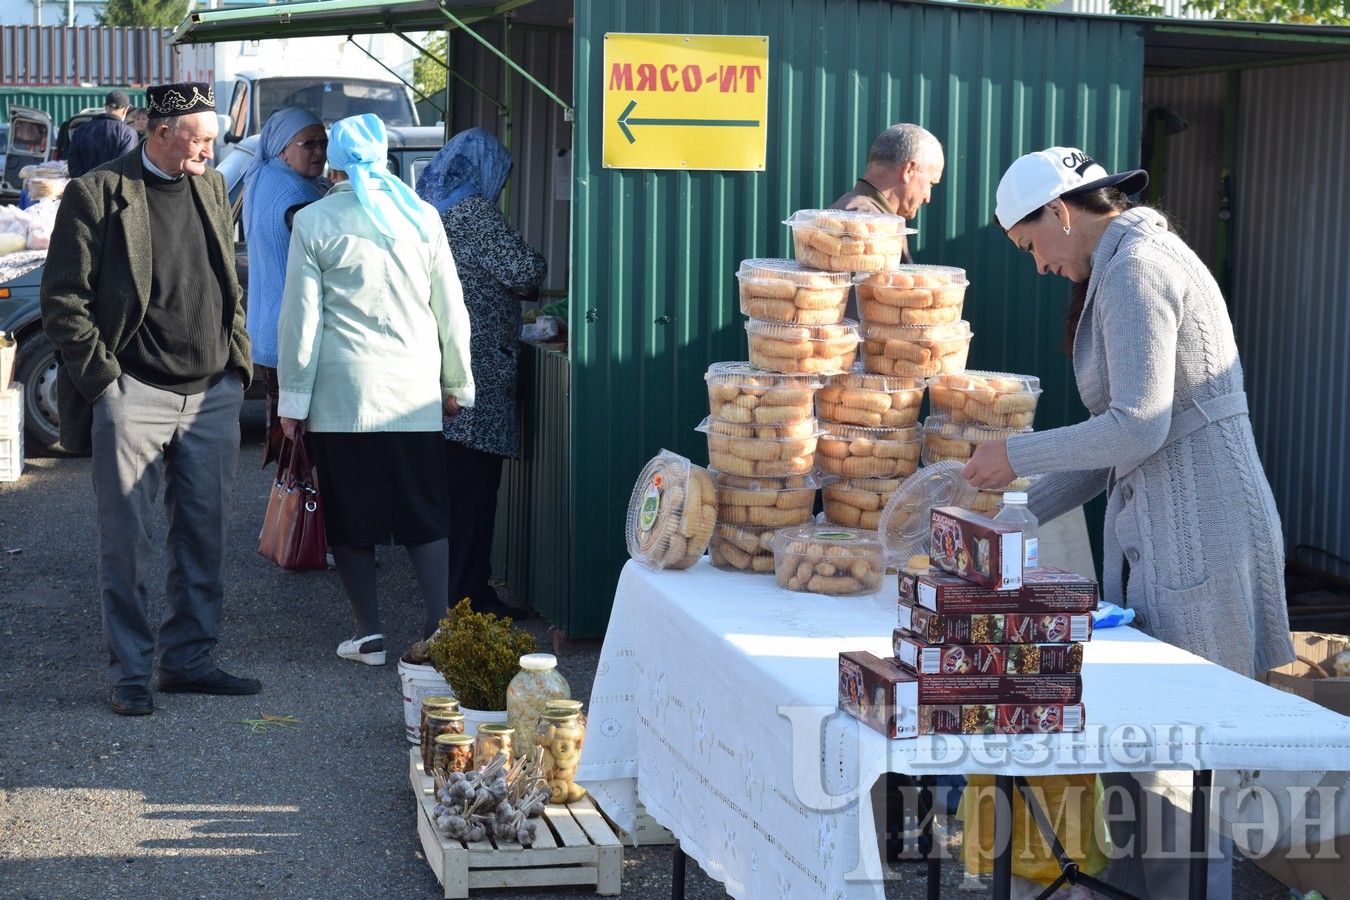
{"type": "Point", "coordinates": [537, 682]}
{"type": "Point", "coordinates": [575, 706]}
{"type": "Point", "coordinates": [443, 703]}
{"type": "Point", "coordinates": [439, 722]}
{"type": "Point", "coordinates": [452, 753]}
{"type": "Point", "coordinates": [562, 734]}
{"type": "Point", "coordinates": [493, 738]}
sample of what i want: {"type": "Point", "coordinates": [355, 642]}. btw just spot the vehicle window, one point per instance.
{"type": "Point", "coordinates": [232, 168]}
{"type": "Point", "coordinates": [239, 110]}
{"type": "Point", "coordinates": [333, 99]}
{"type": "Point", "coordinates": [4, 138]}
{"type": "Point", "coordinates": [418, 167]}
{"type": "Point", "coordinates": [29, 137]}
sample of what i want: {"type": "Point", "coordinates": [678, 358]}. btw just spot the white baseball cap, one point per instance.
{"type": "Point", "coordinates": [1037, 178]}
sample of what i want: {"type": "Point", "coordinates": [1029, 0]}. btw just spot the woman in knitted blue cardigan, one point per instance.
{"type": "Point", "coordinates": [285, 176]}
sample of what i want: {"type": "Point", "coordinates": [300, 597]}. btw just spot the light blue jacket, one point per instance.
{"type": "Point", "coordinates": [373, 333]}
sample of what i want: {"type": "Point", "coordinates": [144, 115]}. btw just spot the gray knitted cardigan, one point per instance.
{"type": "Point", "coordinates": [1194, 518]}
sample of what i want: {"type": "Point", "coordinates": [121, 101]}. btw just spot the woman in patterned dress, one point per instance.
{"type": "Point", "coordinates": [497, 269]}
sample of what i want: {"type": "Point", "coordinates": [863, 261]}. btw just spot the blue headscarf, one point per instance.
{"type": "Point", "coordinates": [472, 162]}
{"type": "Point", "coordinates": [280, 129]}
{"type": "Point", "coordinates": [359, 146]}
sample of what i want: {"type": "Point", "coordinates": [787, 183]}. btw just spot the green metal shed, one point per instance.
{"type": "Point", "coordinates": [650, 262]}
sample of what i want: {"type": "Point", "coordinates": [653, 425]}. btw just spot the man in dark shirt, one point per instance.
{"type": "Point", "coordinates": [903, 164]}
{"type": "Point", "coordinates": [104, 137]}
{"type": "Point", "coordinates": [141, 299]}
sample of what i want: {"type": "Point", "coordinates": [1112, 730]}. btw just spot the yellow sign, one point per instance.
{"type": "Point", "coordinates": [686, 101]}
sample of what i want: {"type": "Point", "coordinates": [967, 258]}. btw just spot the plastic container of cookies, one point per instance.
{"type": "Point", "coordinates": [742, 548]}
{"type": "Point", "coordinates": [915, 351]}
{"type": "Point", "coordinates": [758, 451]}
{"type": "Point", "coordinates": [987, 502]}
{"type": "Point", "coordinates": [671, 513]}
{"type": "Point", "coordinates": [946, 440]}
{"type": "Point", "coordinates": [803, 349]}
{"type": "Point", "coordinates": [853, 451]}
{"type": "Point", "coordinates": [826, 559]}
{"type": "Point", "coordinates": [781, 290]}
{"type": "Point", "coordinates": [740, 392]}
{"type": "Point", "coordinates": [995, 399]}
{"type": "Point", "coordinates": [904, 521]}
{"type": "Point", "coordinates": [912, 295]}
{"type": "Point", "coordinates": [873, 401]}
{"type": "Point", "coordinates": [764, 502]}
{"type": "Point", "coordinates": [843, 240]}
{"type": "Point", "coordinates": [858, 502]}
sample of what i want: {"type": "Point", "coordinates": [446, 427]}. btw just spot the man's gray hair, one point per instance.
{"type": "Point", "coordinates": [899, 144]}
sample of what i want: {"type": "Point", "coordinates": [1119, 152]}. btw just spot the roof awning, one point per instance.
{"type": "Point", "coordinates": [332, 18]}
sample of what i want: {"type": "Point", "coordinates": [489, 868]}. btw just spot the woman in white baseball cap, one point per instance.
{"type": "Point", "coordinates": [1192, 541]}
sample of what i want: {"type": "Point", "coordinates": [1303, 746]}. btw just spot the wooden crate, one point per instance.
{"type": "Point", "coordinates": [647, 832]}
{"type": "Point", "coordinates": [574, 844]}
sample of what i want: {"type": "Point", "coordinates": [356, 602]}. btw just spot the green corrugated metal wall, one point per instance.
{"type": "Point", "coordinates": [60, 103]}
{"type": "Point", "coordinates": [655, 252]}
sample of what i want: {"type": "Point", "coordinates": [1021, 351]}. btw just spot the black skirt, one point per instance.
{"type": "Point", "coordinates": [381, 487]}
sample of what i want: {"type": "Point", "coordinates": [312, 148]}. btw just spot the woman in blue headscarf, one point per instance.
{"type": "Point", "coordinates": [374, 352]}
{"type": "Point", "coordinates": [497, 269]}
{"type": "Point", "coordinates": [284, 176]}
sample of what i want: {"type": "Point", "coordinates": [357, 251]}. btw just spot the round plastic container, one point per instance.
{"type": "Point", "coordinates": [944, 440]}
{"type": "Point", "coordinates": [904, 520]}
{"type": "Point", "coordinates": [986, 503]}
{"type": "Point", "coordinates": [852, 451]}
{"type": "Point", "coordinates": [840, 240]}
{"type": "Point", "coordinates": [913, 295]}
{"type": "Point", "coordinates": [803, 349]}
{"type": "Point", "coordinates": [742, 548]}
{"type": "Point", "coordinates": [996, 399]}
{"type": "Point", "coordinates": [858, 502]}
{"type": "Point", "coordinates": [915, 351]}
{"type": "Point", "coordinates": [825, 559]}
{"type": "Point", "coordinates": [671, 513]}
{"type": "Point", "coordinates": [873, 401]}
{"type": "Point", "coordinates": [781, 290]}
{"type": "Point", "coordinates": [756, 451]}
{"type": "Point", "coordinates": [764, 502]}
{"type": "Point", "coordinates": [742, 393]}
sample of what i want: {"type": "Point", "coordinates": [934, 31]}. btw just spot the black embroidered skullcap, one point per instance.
{"type": "Point", "coordinates": [181, 99]}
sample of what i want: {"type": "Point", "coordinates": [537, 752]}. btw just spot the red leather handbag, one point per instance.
{"type": "Point", "coordinates": [292, 531]}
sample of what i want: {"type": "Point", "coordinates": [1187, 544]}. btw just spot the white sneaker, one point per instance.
{"type": "Point", "coordinates": [368, 650]}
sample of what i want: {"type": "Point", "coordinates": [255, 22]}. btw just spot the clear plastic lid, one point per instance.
{"type": "Point", "coordinates": [849, 222]}
{"type": "Point", "coordinates": [962, 431]}
{"type": "Point", "coordinates": [872, 485]}
{"type": "Point", "coordinates": [909, 434]}
{"type": "Point", "coordinates": [856, 542]}
{"type": "Point", "coordinates": [765, 484]}
{"type": "Point", "coordinates": [743, 374]}
{"type": "Point", "coordinates": [847, 329]}
{"type": "Point", "coordinates": [793, 271]}
{"type": "Point", "coordinates": [790, 431]}
{"type": "Point", "coordinates": [861, 380]}
{"type": "Point", "coordinates": [904, 521]}
{"type": "Point", "coordinates": [989, 382]}
{"type": "Point", "coordinates": [671, 513]}
{"type": "Point", "coordinates": [914, 275]}
{"type": "Point", "coordinates": [916, 333]}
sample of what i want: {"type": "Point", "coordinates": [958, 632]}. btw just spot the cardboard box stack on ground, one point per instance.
{"type": "Point", "coordinates": [1324, 864]}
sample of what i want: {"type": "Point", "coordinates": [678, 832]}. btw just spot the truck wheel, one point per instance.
{"type": "Point", "coordinates": [36, 368]}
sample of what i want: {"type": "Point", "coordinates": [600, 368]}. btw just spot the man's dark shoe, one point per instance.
{"type": "Point", "coordinates": [131, 700]}
{"type": "Point", "coordinates": [499, 609]}
{"type": "Point", "coordinates": [217, 681]}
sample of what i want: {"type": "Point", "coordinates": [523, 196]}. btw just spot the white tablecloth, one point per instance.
{"type": "Point", "coordinates": [714, 703]}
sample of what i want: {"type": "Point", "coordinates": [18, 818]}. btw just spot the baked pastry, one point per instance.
{"type": "Point", "coordinates": [740, 392]}
{"type": "Point", "coordinates": [781, 290]}
{"type": "Point", "coordinates": [671, 513]}
{"type": "Point", "coordinates": [915, 351]}
{"type": "Point", "coordinates": [852, 451]}
{"type": "Point", "coordinates": [873, 401]}
{"type": "Point", "coordinates": [764, 502]}
{"type": "Point", "coordinates": [827, 560]}
{"type": "Point", "coordinates": [835, 240]}
{"type": "Point", "coordinates": [858, 502]}
{"type": "Point", "coordinates": [996, 399]}
{"type": "Point", "coordinates": [803, 349]}
{"type": "Point", "coordinates": [742, 548]}
{"type": "Point", "coordinates": [944, 440]}
{"type": "Point", "coordinates": [757, 451]}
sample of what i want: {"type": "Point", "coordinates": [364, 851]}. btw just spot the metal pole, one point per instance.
{"type": "Point", "coordinates": [1003, 832]}
{"type": "Point", "coordinates": [505, 201]}
{"type": "Point", "coordinates": [1203, 779]}
{"type": "Point", "coordinates": [506, 59]}
{"type": "Point", "coordinates": [677, 873]}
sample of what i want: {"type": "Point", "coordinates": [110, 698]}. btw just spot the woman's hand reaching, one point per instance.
{"type": "Point", "coordinates": [989, 468]}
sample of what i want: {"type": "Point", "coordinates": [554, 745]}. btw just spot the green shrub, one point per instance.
{"type": "Point", "coordinates": [479, 654]}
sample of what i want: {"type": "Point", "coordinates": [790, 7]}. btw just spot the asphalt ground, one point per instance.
{"type": "Point", "coordinates": [190, 802]}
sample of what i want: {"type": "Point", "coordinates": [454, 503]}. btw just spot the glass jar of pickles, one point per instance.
{"type": "Point", "coordinates": [429, 706]}
{"type": "Point", "coordinates": [562, 734]}
{"type": "Point", "coordinates": [492, 739]}
{"type": "Point", "coordinates": [537, 682]}
{"type": "Point", "coordinates": [452, 753]}
{"type": "Point", "coordinates": [439, 722]}
{"type": "Point", "coordinates": [575, 706]}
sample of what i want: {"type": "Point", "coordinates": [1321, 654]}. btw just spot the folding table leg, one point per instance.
{"type": "Point", "coordinates": [1203, 779]}
{"type": "Point", "coordinates": [929, 852]}
{"type": "Point", "coordinates": [1003, 832]}
{"type": "Point", "coordinates": [677, 873]}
